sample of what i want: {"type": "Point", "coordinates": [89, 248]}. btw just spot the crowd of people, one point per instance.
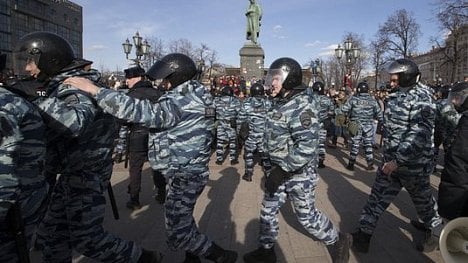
{"type": "Point", "coordinates": [56, 151]}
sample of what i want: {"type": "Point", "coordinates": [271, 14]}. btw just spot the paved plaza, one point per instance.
{"type": "Point", "coordinates": [228, 211]}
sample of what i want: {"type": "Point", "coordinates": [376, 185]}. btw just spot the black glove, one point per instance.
{"type": "Point", "coordinates": [26, 88]}
{"type": "Point", "coordinates": [233, 123]}
{"type": "Point", "coordinates": [276, 177]}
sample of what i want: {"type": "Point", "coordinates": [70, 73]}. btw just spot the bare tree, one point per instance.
{"type": "Point", "coordinates": [452, 16]}
{"type": "Point", "coordinates": [212, 59]}
{"type": "Point", "coordinates": [183, 46]}
{"type": "Point", "coordinates": [350, 65]}
{"type": "Point", "coordinates": [401, 32]}
{"type": "Point", "coordinates": [377, 49]}
{"type": "Point", "coordinates": [156, 52]}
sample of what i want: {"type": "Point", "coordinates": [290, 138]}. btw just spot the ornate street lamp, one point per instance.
{"type": "Point", "coordinates": [142, 48]}
{"type": "Point", "coordinates": [351, 54]}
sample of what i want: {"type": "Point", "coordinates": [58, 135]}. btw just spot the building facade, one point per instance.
{"type": "Point", "coordinates": [20, 17]}
{"type": "Point", "coordinates": [447, 64]}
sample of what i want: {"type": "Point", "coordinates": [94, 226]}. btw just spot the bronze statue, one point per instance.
{"type": "Point", "coordinates": [254, 17]}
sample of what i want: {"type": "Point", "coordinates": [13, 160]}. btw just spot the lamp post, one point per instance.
{"type": "Point", "coordinates": [142, 48]}
{"type": "Point", "coordinates": [351, 54]}
{"type": "Point", "coordinates": [316, 69]}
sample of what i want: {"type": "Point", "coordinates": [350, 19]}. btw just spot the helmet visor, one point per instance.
{"type": "Point", "coordinates": [458, 98]}
{"type": "Point", "coordinates": [275, 77]}
{"type": "Point", "coordinates": [21, 59]}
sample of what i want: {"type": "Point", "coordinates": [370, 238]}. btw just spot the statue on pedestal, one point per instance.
{"type": "Point", "coordinates": [254, 18]}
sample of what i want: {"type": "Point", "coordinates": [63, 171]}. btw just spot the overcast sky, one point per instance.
{"type": "Point", "coordinates": [301, 29]}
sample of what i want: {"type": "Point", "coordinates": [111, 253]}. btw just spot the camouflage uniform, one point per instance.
{"type": "Point", "coordinates": [22, 153]}
{"type": "Point", "coordinates": [181, 126]}
{"type": "Point", "coordinates": [445, 125]}
{"type": "Point", "coordinates": [363, 109]}
{"type": "Point", "coordinates": [83, 136]}
{"type": "Point", "coordinates": [291, 140]}
{"type": "Point", "coordinates": [227, 109]}
{"type": "Point", "coordinates": [253, 111]}
{"type": "Point", "coordinates": [408, 126]}
{"type": "Point", "coordinates": [326, 110]}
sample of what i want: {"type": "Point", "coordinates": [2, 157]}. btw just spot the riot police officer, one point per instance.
{"type": "Point", "coordinates": [23, 189]}
{"type": "Point", "coordinates": [326, 112]}
{"type": "Point", "coordinates": [80, 136]}
{"type": "Point", "coordinates": [291, 140]}
{"type": "Point", "coordinates": [407, 152]}
{"type": "Point", "coordinates": [362, 109]}
{"type": "Point", "coordinates": [227, 110]}
{"type": "Point", "coordinates": [180, 125]}
{"type": "Point", "coordinates": [253, 113]}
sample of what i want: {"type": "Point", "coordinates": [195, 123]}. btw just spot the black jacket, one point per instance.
{"type": "Point", "coordinates": [453, 188]}
{"type": "Point", "coordinates": [138, 137]}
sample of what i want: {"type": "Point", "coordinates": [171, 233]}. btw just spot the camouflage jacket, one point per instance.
{"type": "Point", "coordinates": [22, 150]}
{"type": "Point", "coordinates": [362, 108]}
{"type": "Point", "coordinates": [292, 131]}
{"type": "Point", "coordinates": [181, 124]}
{"type": "Point", "coordinates": [408, 127]}
{"type": "Point", "coordinates": [253, 112]}
{"type": "Point", "coordinates": [79, 133]}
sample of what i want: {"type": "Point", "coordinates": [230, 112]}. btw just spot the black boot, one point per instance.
{"type": "Point", "coordinates": [191, 258]}
{"type": "Point", "coordinates": [350, 166]}
{"type": "Point", "coordinates": [219, 255]}
{"type": "Point", "coordinates": [234, 161]}
{"type": "Point", "coordinates": [150, 257]}
{"type": "Point", "coordinates": [429, 243]}
{"type": "Point", "coordinates": [419, 226]}
{"type": "Point", "coordinates": [161, 196]}
{"type": "Point", "coordinates": [339, 251]}
{"type": "Point", "coordinates": [361, 241]}
{"type": "Point", "coordinates": [247, 177]}
{"type": "Point", "coordinates": [261, 255]}
{"type": "Point", "coordinates": [134, 203]}
{"type": "Point", "coordinates": [370, 166]}
{"type": "Point", "coordinates": [321, 164]}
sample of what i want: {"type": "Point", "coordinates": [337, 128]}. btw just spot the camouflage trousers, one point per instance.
{"type": "Point", "coordinates": [301, 190]}
{"type": "Point", "coordinates": [32, 210]}
{"type": "Point", "coordinates": [365, 134]}
{"type": "Point", "coordinates": [184, 189]}
{"type": "Point", "coordinates": [226, 135]}
{"type": "Point", "coordinates": [321, 146]}
{"type": "Point", "coordinates": [252, 144]}
{"type": "Point", "coordinates": [386, 188]}
{"type": "Point", "coordinates": [74, 222]}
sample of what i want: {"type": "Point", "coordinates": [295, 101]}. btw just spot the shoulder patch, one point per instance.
{"type": "Point", "coordinates": [306, 119]}
{"type": "Point", "coordinates": [210, 112]}
{"type": "Point", "coordinates": [277, 115]}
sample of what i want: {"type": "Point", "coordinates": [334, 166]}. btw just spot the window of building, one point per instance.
{"type": "Point", "coordinates": [5, 23]}
{"type": "Point", "coordinates": [37, 24]}
{"type": "Point", "coordinates": [50, 27]}
{"type": "Point", "coordinates": [5, 42]}
{"type": "Point", "coordinates": [5, 7]}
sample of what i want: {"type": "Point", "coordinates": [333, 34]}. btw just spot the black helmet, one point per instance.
{"type": "Point", "coordinates": [458, 96]}
{"type": "Point", "coordinates": [49, 51]}
{"type": "Point", "coordinates": [407, 70]}
{"type": "Point", "coordinates": [257, 90]}
{"type": "Point", "coordinates": [177, 68]}
{"type": "Point", "coordinates": [319, 87]}
{"type": "Point", "coordinates": [288, 69]}
{"type": "Point", "coordinates": [362, 87]}
{"type": "Point", "coordinates": [227, 91]}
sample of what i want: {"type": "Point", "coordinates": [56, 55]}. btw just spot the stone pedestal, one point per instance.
{"type": "Point", "coordinates": [251, 61]}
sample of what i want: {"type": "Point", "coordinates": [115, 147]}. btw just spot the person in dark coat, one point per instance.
{"type": "Point", "coordinates": [453, 188]}
{"type": "Point", "coordinates": [140, 88]}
